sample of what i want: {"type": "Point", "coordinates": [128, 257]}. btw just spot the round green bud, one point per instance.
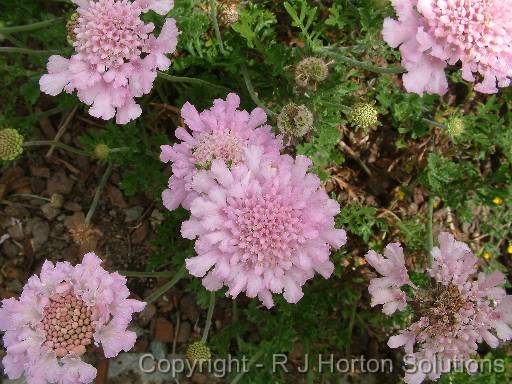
{"type": "Point", "coordinates": [70, 27]}
{"type": "Point", "coordinates": [11, 144]}
{"type": "Point", "coordinates": [198, 351]}
{"type": "Point", "coordinates": [311, 70]}
{"type": "Point", "coordinates": [455, 126]}
{"type": "Point", "coordinates": [101, 152]}
{"type": "Point", "coordinates": [295, 120]}
{"type": "Point", "coordinates": [228, 12]}
{"type": "Point", "coordinates": [56, 200]}
{"type": "Point", "coordinates": [364, 116]}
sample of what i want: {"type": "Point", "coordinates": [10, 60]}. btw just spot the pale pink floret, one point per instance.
{"type": "Point", "coordinates": [262, 227]}
{"type": "Point", "coordinates": [222, 132]}
{"type": "Point", "coordinates": [59, 314]}
{"type": "Point", "coordinates": [456, 312]}
{"type": "Point", "coordinates": [453, 261]}
{"type": "Point", "coordinates": [117, 57]}
{"type": "Point", "coordinates": [435, 33]}
{"type": "Point", "coordinates": [386, 290]}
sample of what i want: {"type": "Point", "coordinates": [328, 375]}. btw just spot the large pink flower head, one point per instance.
{"type": "Point", "coordinates": [454, 312]}
{"type": "Point", "coordinates": [263, 227]}
{"type": "Point", "coordinates": [434, 33]}
{"type": "Point", "coordinates": [117, 56]}
{"type": "Point", "coordinates": [223, 133]}
{"type": "Point", "coordinates": [59, 315]}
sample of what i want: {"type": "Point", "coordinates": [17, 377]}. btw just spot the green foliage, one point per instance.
{"type": "Point", "coordinates": [361, 221]}
{"type": "Point", "coordinates": [495, 368]}
{"type": "Point", "coordinates": [414, 234]}
{"type": "Point", "coordinates": [255, 25]}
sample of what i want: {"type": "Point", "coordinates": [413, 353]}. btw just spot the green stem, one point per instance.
{"type": "Point", "coordinates": [351, 326]}
{"type": "Point", "coordinates": [164, 288]}
{"type": "Point", "coordinates": [359, 64]}
{"type": "Point", "coordinates": [189, 80]}
{"type": "Point", "coordinates": [430, 237]}
{"type": "Point", "coordinates": [29, 196]}
{"type": "Point", "coordinates": [213, 14]}
{"type": "Point", "coordinates": [119, 150]}
{"type": "Point", "coordinates": [13, 40]}
{"type": "Point", "coordinates": [51, 112]}
{"type": "Point", "coordinates": [28, 51]}
{"type": "Point", "coordinates": [57, 144]}
{"type": "Point", "coordinates": [236, 318]}
{"type": "Point", "coordinates": [434, 123]}
{"type": "Point", "coordinates": [30, 27]}
{"type": "Point", "coordinates": [98, 193]}
{"type": "Point", "coordinates": [346, 110]}
{"type": "Point", "coordinates": [251, 362]}
{"type": "Point", "coordinates": [146, 275]}
{"type": "Point", "coordinates": [209, 317]}
{"type": "Point", "coordinates": [253, 94]}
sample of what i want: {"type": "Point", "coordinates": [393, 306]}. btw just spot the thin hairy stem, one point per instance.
{"type": "Point", "coordinates": [253, 94]}
{"type": "Point", "coordinates": [164, 288]}
{"type": "Point", "coordinates": [356, 63]}
{"type": "Point", "coordinates": [58, 144]}
{"type": "Point", "coordinates": [98, 193]}
{"type": "Point", "coordinates": [190, 80]}
{"type": "Point", "coordinates": [213, 15]}
{"type": "Point", "coordinates": [434, 123]}
{"type": "Point", "coordinates": [147, 275]}
{"type": "Point", "coordinates": [28, 51]}
{"type": "Point", "coordinates": [430, 237]}
{"type": "Point", "coordinates": [251, 362]}
{"type": "Point", "coordinates": [209, 317]}
{"type": "Point", "coordinates": [30, 27]}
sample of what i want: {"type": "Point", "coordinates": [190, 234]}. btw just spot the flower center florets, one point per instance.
{"type": "Point", "coordinates": [110, 33]}
{"type": "Point", "coordinates": [441, 305]}
{"type": "Point", "coordinates": [464, 23]}
{"type": "Point", "coordinates": [267, 229]}
{"type": "Point", "coordinates": [67, 325]}
{"type": "Point", "coordinates": [224, 146]}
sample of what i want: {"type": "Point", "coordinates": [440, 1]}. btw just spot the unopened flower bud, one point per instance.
{"type": "Point", "coordinates": [455, 127]}
{"type": "Point", "coordinates": [364, 116]}
{"type": "Point", "coordinates": [101, 152]}
{"type": "Point", "coordinates": [11, 144]}
{"type": "Point", "coordinates": [310, 71]}
{"type": "Point", "coordinates": [295, 120]}
{"type": "Point", "coordinates": [198, 351]}
{"type": "Point", "coordinates": [56, 200]}
{"type": "Point", "coordinates": [228, 12]}
{"type": "Point", "coordinates": [70, 27]}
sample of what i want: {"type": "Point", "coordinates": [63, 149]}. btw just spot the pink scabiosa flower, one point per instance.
{"type": "Point", "coordinates": [434, 33]}
{"type": "Point", "coordinates": [59, 314]}
{"type": "Point", "coordinates": [453, 312]}
{"type": "Point", "coordinates": [222, 132]}
{"type": "Point", "coordinates": [117, 56]}
{"type": "Point", "coordinates": [386, 290]}
{"type": "Point", "coordinates": [262, 227]}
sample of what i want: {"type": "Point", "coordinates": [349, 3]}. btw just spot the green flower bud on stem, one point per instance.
{"type": "Point", "coordinates": [295, 120]}
{"type": "Point", "coordinates": [70, 27]}
{"type": "Point", "coordinates": [455, 126]}
{"type": "Point", "coordinates": [310, 71]}
{"type": "Point", "coordinates": [11, 144]}
{"type": "Point", "coordinates": [198, 351]}
{"type": "Point", "coordinates": [101, 152]}
{"type": "Point", "coordinates": [364, 116]}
